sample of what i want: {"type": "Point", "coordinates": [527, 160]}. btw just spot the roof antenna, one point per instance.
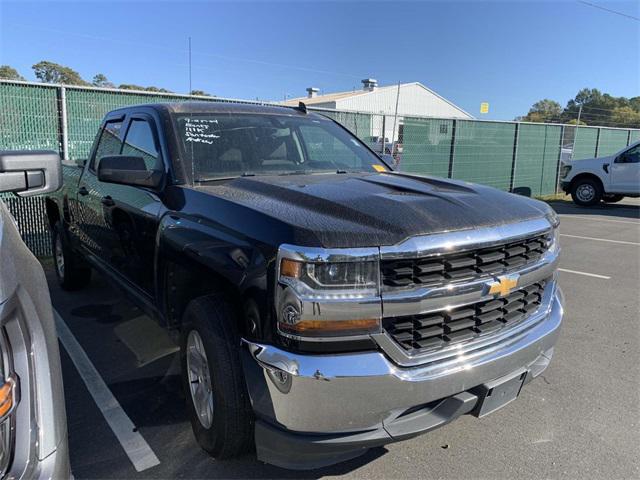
{"type": "Point", "coordinates": [302, 107]}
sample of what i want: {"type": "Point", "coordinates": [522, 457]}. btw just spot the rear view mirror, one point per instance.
{"type": "Point", "coordinates": [127, 170]}
{"type": "Point", "coordinates": [30, 172]}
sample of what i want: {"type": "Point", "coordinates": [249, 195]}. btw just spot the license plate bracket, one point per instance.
{"type": "Point", "coordinates": [497, 393]}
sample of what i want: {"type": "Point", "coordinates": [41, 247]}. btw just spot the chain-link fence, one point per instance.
{"type": "Point", "coordinates": [513, 156]}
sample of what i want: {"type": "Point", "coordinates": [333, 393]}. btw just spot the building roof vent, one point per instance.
{"type": "Point", "coordinates": [369, 84]}
{"type": "Point", "coordinates": [312, 92]}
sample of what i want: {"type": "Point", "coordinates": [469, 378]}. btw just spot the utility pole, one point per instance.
{"type": "Point", "coordinates": [395, 120]}
{"type": "Point", "coordinates": [190, 89]}
{"type": "Point", "coordinates": [575, 135]}
{"type": "Point", "coordinates": [579, 115]}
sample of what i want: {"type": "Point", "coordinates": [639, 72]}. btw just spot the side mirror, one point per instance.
{"type": "Point", "coordinates": [127, 170]}
{"type": "Point", "coordinates": [30, 172]}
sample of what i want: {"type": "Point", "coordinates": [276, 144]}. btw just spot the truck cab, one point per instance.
{"type": "Point", "coordinates": [609, 179]}
{"type": "Point", "coordinates": [324, 304]}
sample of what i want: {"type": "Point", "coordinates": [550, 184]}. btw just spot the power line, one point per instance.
{"type": "Point", "coordinates": [637, 19]}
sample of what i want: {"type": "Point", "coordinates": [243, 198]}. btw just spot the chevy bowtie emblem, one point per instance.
{"type": "Point", "coordinates": [504, 285]}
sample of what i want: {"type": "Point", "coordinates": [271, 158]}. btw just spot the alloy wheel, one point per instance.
{"type": "Point", "coordinates": [59, 257]}
{"type": "Point", "coordinates": [199, 379]}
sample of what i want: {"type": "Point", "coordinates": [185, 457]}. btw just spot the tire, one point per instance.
{"type": "Point", "coordinates": [225, 429]}
{"type": "Point", "coordinates": [612, 198]}
{"type": "Point", "coordinates": [71, 273]}
{"type": "Point", "coordinates": [586, 192]}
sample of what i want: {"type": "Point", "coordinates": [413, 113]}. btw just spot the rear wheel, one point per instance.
{"type": "Point", "coordinates": [586, 192]}
{"type": "Point", "coordinates": [71, 273]}
{"type": "Point", "coordinates": [213, 380]}
{"type": "Point", "coordinates": [612, 198]}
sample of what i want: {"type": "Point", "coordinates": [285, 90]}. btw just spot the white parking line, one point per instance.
{"type": "Point", "coordinates": [580, 217]}
{"type": "Point", "coordinates": [134, 444]}
{"type": "Point", "coordinates": [595, 275]}
{"type": "Point", "coordinates": [622, 242]}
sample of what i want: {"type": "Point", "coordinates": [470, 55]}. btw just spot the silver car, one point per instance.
{"type": "Point", "coordinates": [33, 425]}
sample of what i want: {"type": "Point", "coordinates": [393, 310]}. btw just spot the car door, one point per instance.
{"type": "Point", "coordinates": [91, 194]}
{"type": "Point", "coordinates": [132, 212]}
{"type": "Point", "coordinates": [625, 171]}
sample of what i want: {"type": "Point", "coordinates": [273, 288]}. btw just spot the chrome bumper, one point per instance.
{"type": "Point", "coordinates": [356, 392]}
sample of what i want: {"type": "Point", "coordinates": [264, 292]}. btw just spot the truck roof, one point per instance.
{"type": "Point", "coordinates": [215, 107]}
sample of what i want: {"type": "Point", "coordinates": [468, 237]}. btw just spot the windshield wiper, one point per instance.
{"type": "Point", "coordinates": [231, 177]}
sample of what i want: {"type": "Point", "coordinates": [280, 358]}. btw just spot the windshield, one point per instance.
{"type": "Point", "coordinates": [231, 145]}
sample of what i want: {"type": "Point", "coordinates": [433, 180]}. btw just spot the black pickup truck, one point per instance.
{"type": "Point", "coordinates": [323, 303]}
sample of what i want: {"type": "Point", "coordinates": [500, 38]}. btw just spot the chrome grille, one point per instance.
{"type": "Point", "coordinates": [438, 329]}
{"type": "Point", "coordinates": [441, 269]}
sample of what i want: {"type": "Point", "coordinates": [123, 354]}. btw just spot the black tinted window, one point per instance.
{"type": "Point", "coordinates": [109, 143]}
{"type": "Point", "coordinates": [633, 154]}
{"type": "Point", "coordinates": [140, 142]}
{"type": "Point", "coordinates": [221, 145]}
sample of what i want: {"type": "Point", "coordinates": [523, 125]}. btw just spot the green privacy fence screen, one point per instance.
{"type": "Point", "coordinates": [426, 146]}
{"type": "Point", "coordinates": [611, 141]}
{"type": "Point", "coordinates": [29, 117]}
{"type": "Point", "coordinates": [483, 152]}
{"type": "Point", "coordinates": [511, 156]}
{"type": "Point", "coordinates": [585, 142]}
{"type": "Point", "coordinates": [537, 153]}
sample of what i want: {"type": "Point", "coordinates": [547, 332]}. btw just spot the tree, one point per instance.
{"type": "Point", "coordinates": [130, 86]}
{"type": "Point", "coordinates": [626, 116]}
{"type": "Point", "coordinates": [201, 93]}
{"type": "Point", "coordinates": [157, 89]}
{"type": "Point", "coordinates": [593, 106]}
{"type": "Point", "coordinates": [101, 80]}
{"type": "Point", "coordinates": [50, 72]}
{"type": "Point", "coordinates": [9, 73]}
{"type": "Point", "coordinates": [544, 111]}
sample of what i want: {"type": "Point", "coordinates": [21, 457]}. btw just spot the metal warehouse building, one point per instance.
{"type": "Point", "coordinates": [406, 99]}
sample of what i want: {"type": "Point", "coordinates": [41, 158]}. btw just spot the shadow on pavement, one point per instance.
{"type": "Point", "coordinates": [622, 210]}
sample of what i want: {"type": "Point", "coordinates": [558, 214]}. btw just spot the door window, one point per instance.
{"type": "Point", "coordinates": [632, 155]}
{"type": "Point", "coordinates": [109, 143]}
{"type": "Point", "coordinates": [140, 142]}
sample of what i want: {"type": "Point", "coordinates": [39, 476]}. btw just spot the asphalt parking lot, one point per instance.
{"type": "Point", "coordinates": [580, 419]}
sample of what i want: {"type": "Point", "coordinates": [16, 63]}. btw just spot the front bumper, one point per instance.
{"type": "Point", "coordinates": [316, 410]}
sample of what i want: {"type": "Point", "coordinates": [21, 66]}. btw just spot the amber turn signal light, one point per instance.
{"type": "Point", "coordinates": [7, 397]}
{"type": "Point", "coordinates": [290, 268]}
{"type": "Point", "coordinates": [332, 327]}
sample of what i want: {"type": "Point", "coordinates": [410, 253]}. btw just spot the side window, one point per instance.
{"type": "Point", "coordinates": [633, 155]}
{"type": "Point", "coordinates": [140, 142]}
{"type": "Point", "coordinates": [109, 143]}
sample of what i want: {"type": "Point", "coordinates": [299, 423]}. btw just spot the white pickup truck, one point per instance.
{"type": "Point", "coordinates": [606, 178]}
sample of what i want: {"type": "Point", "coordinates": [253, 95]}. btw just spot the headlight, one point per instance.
{"type": "Point", "coordinates": [552, 217]}
{"type": "Point", "coordinates": [327, 297]}
{"type": "Point", "coordinates": [357, 277]}
{"type": "Point", "coordinates": [555, 241]}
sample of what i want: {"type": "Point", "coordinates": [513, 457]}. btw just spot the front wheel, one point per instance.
{"type": "Point", "coordinates": [586, 192]}
{"type": "Point", "coordinates": [612, 198]}
{"type": "Point", "coordinates": [72, 274]}
{"type": "Point", "coordinates": [213, 380]}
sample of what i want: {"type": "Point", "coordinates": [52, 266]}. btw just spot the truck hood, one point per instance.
{"type": "Point", "coordinates": [586, 163]}
{"type": "Point", "coordinates": [351, 210]}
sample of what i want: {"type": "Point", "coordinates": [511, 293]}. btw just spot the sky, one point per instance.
{"type": "Point", "coordinates": [509, 54]}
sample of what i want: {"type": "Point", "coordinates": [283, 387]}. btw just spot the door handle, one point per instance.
{"type": "Point", "coordinates": [83, 191]}
{"type": "Point", "coordinates": [107, 201]}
